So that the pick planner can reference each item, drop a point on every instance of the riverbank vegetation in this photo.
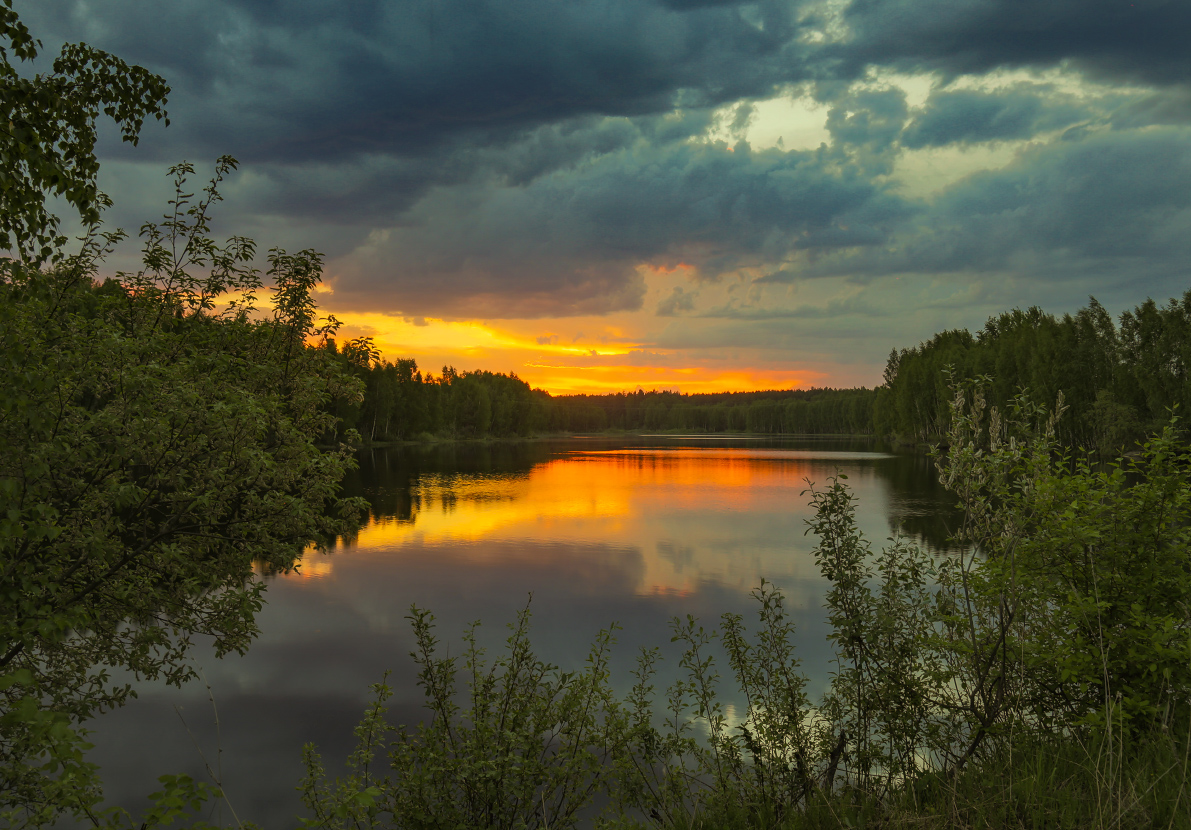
(1120, 378)
(163, 434)
(158, 435)
(401, 403)
(1038, 678)
(156, 448)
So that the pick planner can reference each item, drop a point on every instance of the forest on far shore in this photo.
(1122, 378)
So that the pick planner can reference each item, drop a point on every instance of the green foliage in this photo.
(158, 434)
(1088, 567)
(48, 133)
(1107, 781)
(876, 713)
(1036, 676)
(400, 403)
(1120, 379)
(158, 441)
(760, 769)
(529, 748)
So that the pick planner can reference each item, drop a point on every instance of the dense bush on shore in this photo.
(138, 493)
(158, 433)
(1037, 678)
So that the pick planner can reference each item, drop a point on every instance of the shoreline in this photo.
(431, 440)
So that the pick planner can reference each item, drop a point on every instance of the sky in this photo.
(701, 195)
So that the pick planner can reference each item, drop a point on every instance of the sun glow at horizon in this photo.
(604, 360)
(639, 503)
(687, 380)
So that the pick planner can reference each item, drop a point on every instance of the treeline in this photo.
(402, 403)
(797, 411)
(1119, 379)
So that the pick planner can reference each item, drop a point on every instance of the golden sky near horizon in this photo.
(786, 237)
(628, 350)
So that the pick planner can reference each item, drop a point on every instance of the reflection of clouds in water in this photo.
(727, 515)
(678, 555)
(314, 565)
(596, 538)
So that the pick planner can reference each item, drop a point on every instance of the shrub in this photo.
(529, 747)
(1036, 676)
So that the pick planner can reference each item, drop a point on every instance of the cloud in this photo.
(571, 244)
(1137, 42)
(971, 116)
(525, 158)
(677, 301)
(1113, 206)
(300, 81)
(869, 118)
(846, 306)
(1165, 106)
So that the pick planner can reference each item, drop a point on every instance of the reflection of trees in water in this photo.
(393, 479)
(919, 506)
(398, 482)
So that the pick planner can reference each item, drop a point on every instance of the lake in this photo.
(630, 531)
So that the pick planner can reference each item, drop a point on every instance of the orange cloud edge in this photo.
(607, 359)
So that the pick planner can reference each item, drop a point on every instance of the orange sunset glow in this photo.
(620, 351)
(647, 413)
(676, 509)
(598, 358)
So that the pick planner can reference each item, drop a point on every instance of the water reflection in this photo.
(599, 531)
(407, 485)
(919, 507)
(679, 508)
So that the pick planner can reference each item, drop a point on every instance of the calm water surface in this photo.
(599, 531)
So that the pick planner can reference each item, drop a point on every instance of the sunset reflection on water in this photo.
(694, 515)
(600, 531)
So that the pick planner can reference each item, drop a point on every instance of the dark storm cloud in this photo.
(678, 301)
(1113, 203)
(1112, 198)
(299, 80)
(849, 307)
(868, 118)
(970, 116)
(1166, 106)
(525, 157)
(570, 244)
(281, 82)
(384, 185)
(1141, 41)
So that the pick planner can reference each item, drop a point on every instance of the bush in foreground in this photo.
(136, 494)
(1038, 677)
